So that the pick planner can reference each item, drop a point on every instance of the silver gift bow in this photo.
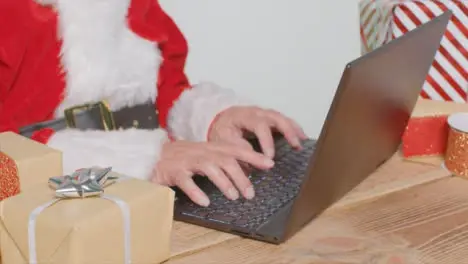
(81, 184)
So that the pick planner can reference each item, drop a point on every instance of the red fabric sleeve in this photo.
(12, 49)
(14, 37)
(43, 135)
(172, 81)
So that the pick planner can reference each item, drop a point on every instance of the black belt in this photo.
(97, 116)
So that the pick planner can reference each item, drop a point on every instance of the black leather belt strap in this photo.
(98, 117)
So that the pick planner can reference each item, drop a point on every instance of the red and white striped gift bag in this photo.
(384, 20)
(375, 18)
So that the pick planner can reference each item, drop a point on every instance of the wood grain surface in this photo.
(426, 224)
(352, 225)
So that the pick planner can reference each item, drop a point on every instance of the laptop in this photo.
(363, 129)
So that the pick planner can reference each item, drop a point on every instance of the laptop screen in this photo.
(367, 118)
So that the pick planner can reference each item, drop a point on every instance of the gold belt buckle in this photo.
(106, 114)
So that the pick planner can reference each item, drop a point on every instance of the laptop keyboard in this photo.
(273, 189)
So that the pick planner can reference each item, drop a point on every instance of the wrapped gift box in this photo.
(427, 130)
(25, 163)
(130, 222)
(384, 20)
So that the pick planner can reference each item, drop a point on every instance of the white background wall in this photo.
(284, 54)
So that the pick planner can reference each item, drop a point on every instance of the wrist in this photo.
(212, 126)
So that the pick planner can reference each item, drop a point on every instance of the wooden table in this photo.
(405, 212)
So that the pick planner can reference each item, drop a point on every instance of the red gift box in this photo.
(427, 130)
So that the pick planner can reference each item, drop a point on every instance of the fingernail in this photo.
(269, 163)
(249, 193)
(297, 142)
(204, 201)
(270, 153)
(233, 194)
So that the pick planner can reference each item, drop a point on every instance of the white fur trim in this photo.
(103, 59)
(192, 114)
(132, 152)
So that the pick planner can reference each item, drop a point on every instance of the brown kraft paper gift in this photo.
(25, 163)
(89, 230)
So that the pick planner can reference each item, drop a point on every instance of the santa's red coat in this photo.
(59, 53)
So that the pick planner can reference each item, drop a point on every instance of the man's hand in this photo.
(231, 124)
(180, 160)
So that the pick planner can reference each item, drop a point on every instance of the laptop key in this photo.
(248, 204)
(275, 200)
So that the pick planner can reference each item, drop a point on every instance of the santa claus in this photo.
(103, 81)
